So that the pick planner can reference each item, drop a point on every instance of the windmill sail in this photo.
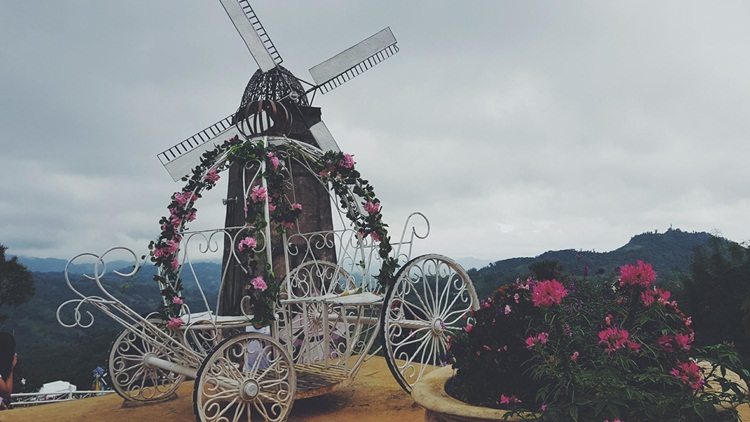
(323, 137)
(183, 157)
(354, 61)
(252, 32)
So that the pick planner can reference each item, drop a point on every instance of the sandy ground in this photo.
(374, 396)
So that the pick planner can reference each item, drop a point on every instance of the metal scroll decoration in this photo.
(335, 169)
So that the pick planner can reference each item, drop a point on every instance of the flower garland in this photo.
(334, 168)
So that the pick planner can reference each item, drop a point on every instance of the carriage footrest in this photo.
(317, 379)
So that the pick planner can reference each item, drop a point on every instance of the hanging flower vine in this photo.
(333, 168)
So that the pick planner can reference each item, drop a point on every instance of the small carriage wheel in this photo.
(132, 378)
(428, 301)
(248, 375)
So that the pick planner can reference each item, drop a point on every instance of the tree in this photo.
(16, 282)
(718, 294)
(549, 269)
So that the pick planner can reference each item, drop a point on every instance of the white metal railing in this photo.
(34, 399)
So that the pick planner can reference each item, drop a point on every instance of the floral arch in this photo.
(266, 208)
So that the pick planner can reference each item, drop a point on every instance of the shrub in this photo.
(592, 350)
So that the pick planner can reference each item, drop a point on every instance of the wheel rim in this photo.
(248, 375)
(427, 303)
(132, 378)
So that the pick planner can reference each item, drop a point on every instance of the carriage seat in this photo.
(207, 317)
(344, 299)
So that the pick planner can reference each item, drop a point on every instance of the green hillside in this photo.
(669, 253)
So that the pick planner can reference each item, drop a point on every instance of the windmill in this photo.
(274, 82)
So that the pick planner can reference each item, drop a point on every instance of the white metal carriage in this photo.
(330, 316)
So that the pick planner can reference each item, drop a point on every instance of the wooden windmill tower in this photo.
(274, 82)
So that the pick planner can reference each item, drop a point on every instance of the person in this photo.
(8, 360)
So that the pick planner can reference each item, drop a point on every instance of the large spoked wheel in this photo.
(425, 305)
(132, 377)
(250, 375)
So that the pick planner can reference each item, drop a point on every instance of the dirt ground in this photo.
(373, 397)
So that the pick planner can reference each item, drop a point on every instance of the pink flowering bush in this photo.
(591, 350)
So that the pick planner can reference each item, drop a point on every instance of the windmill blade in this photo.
(181, 159)
(252, 32)
(323, 137)
(354, 61)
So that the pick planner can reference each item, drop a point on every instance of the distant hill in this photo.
(669, 253)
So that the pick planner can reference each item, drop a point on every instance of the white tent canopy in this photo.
(57, 387)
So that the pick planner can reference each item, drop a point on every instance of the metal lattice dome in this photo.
(274, 85)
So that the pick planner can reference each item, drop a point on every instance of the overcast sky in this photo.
(516, 127)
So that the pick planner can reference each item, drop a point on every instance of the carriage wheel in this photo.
(132, 378)
(428, 301)
(245, 376)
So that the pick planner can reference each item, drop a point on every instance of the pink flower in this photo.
(533, 341)
(614, 338)
(375, 237)
(177, 300)
(347, 161)
(508, 400)
(247, 243)
(166, 250)
(174, 264)
(190, 216)
(468, 328)
(547, 293)
(175, 322)
(172, 246)
(296, 206)
(183, 198)
(271, 207)
(212, 175)
(287, 224)
(274, 160)
(371, 207)
(574, 357)
(175, 221)
(641, 274)
(665, 342)
(507, 309)
(258, 193)
(647, 297)
(683, 340)
(258, 283)
(690, 374)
